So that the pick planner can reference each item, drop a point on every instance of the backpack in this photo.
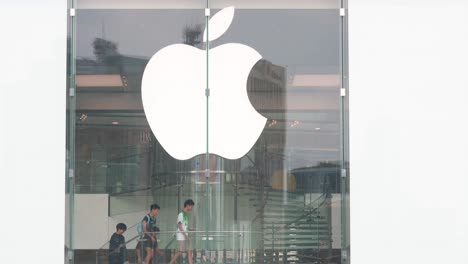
(140, 225)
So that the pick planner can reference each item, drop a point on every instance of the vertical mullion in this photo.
(207, 154)
(72, 116)
(343, 145)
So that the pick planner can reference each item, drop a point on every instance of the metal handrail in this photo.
(189, 232)
(194, 233)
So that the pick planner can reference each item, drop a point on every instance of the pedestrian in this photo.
(149, 237)
(117, 247)
(183, 241)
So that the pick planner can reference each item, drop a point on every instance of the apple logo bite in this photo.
(174, 100)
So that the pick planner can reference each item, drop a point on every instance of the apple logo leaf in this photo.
(219, 23)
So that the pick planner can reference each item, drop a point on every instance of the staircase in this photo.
(294, 232)
(285, 228)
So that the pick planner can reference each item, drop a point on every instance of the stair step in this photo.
(307, 226)
(313, 230)
(295, 237)
(278, 199)
(284, 216)
(280, 206)
(295, 244)
(289, 230)
(298, 197)
(299, 240)
(258, 188)
(320, 227)
(273, 203)
(286, 219)
(279, 211)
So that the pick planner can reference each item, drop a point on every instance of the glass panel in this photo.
(278, 198)
(116, 151)
(345, 189)
(287, 188)
(70, 142)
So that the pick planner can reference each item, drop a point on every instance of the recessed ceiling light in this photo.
(202, 182)
(83, 117)
(317, 128)
(115, 122)
(295, 123)
(272, 123)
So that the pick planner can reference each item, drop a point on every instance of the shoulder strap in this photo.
(147, 222)
(184, 216)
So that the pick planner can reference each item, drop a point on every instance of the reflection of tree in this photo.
(105, 50)
(192, 35)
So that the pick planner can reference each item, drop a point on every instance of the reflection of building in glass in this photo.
(284, 211)
(113, 139)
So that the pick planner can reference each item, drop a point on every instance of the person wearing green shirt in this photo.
(184, 244)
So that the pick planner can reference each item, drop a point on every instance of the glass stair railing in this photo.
(285, 226)
(166, 241)
(297, 233)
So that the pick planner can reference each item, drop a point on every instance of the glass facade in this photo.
(284, 201)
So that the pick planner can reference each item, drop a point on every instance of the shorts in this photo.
(147, 243)
(184, 245)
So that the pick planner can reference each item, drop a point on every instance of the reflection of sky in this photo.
(294, 38)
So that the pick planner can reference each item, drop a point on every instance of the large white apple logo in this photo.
(174, 100)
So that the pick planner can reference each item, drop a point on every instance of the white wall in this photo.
(336, 220)
(94, 227)
(408, 92)
(408, 132)
(32, 130)
(91, 221)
